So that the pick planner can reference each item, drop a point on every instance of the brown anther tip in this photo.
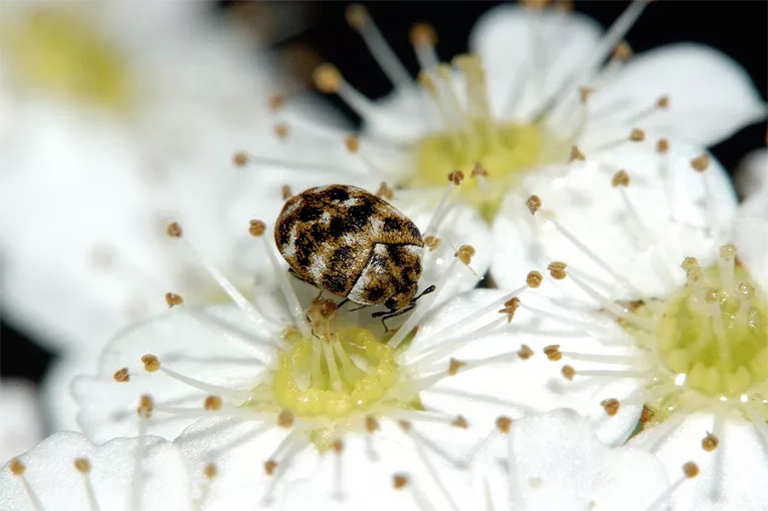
(557, 270)
(357, 16)
(352, 143)
(536, 5)
(636, 135)
(385, 192)
(281, 130)
(256, 228)
(584, 93)
(460, 422)
(399, 481)
(525, 352)
(479, 171)
(662, 102)
(327, 78)
(533, 203)
(456, 177)
(465, 254)
(553, 352)
(503, 424)
(337, 446)
(621, 178)
(454, 366)
(426, 81)
(611, 406)
(564, 5)
(146, 406)
(210, 471)
(622, 51)
(534, 279)
(371, 424)
(83, 465)
(240, 159)
(286, 192)
(510, 307)
(690, 470)
(576, 154)
(423, 34)
(662, 146)
(276, 102)
(173, 299)
(285, 419)
(568, 372)
(269, 467)
(122, 375)
(212, 403)
(710, 442)
(700, 163)
(431, 242)
(404, 425)
(647, 414)
(174, 230)
(17, 467)
(151, 363)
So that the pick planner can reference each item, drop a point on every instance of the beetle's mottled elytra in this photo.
(352, 244)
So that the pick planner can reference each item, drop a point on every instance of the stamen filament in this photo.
(205, 387)
(381, 51)
(610, 306)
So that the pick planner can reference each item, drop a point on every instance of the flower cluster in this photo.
(590, 329)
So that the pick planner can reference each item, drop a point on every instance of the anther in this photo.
(146, 406)
(534, 279)
(17, 467)
(432, 242)
(337, 446)
(173, 299)
(479, 171)
(557, 270)
(510, 306)
(83, 465)
(352, 143)
(357, 16)
(174, 230)
(276, 102)
(636, 135)
(525, 352)
(568, 372)
(211, 471)
(257, 228)
(269, 467)
(662, 146)
(286, 192)
(533, 203)
(404, 425)
(553, 352)
(689, 263)
(690, 470)
(122, 375)
(584, 93)
(399, 481)
(423, 34)
(710, 442)
(503, 424)
(700, 163)
(576, 154)
(371, 424)
(385, 192)
(460, 422)
(151, 363)
(746, 290)
(647, 414)
(285, 419)
(327, 78)
(456, 177)
(728, 251)
(662, 102)
(212, 403)
(465, 253)
(536, 5)
(281, 130)
(240, 158)
(622, 51)
(711, 296)
(611, 406)
(454, 366)
(621, 178)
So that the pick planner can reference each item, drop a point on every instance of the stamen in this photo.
(433, 473)
(700, 164)
(122, 375)
(454, 180)
(242, 158)
(690, 470)
(152, 364)
(328, 80)
(423, 39)
(277, 465)
(18, 469)
(210, 471)
(611, 406)
(84, 467)
(358, 18)
(338, 491)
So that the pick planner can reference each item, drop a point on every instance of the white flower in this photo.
(534, 91)
(114, 120)
(660, 324)
(67, 472)
(22, 426)
(752, 173)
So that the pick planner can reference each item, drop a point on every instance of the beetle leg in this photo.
(385, 315)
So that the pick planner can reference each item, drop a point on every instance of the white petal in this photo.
(711, 96)
(751, 236)
(752, 173)
(727, 474)
(60, 406)
(541, 48)
(52, 476)
(22, 426)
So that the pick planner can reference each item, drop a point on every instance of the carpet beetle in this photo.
(353, 244)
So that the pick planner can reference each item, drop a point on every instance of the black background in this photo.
(737, 28)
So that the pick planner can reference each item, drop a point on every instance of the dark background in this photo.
(737, 28)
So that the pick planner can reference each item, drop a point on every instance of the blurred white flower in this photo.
(752, 174)
(22, 424)
(662, 297)
(535, 90)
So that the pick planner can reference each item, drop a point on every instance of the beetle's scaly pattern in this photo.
(351, 243)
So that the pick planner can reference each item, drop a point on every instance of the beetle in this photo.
(353, 244)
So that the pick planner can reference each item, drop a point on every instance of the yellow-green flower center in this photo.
(61, 54)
